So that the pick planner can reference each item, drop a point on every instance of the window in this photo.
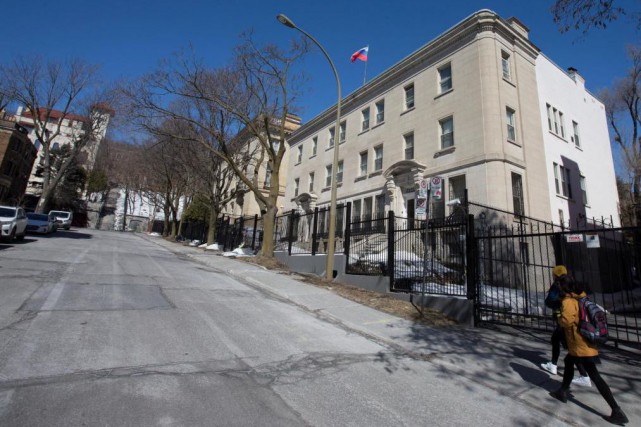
(363, 163)
(584, 191)
(276, 145)
(342, 133)
(300, 154)
(332, 132)
(55, 146)
(311, 182)
(562, 181)
(296, 186)
(409, 146)
(328, 176)
(505, 64)
(445, 78)
(447, 132)
(561, 218)
(456, 185)
(367, 208)
(509, 116)
(518, 203)
(268, 175)
(575, 129)
(365, 121)
(379, 205)
(409, 96)
(339, 173)
(378, 158)
(380, 111)
(314, 145)
(356, 210)
(555, 121)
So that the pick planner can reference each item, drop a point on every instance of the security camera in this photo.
(454, 202)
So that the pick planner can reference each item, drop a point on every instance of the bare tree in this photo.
(55, 94)
(586, 14)
(623, 111)
(247, 104)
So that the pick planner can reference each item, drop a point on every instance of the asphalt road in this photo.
(109, 329)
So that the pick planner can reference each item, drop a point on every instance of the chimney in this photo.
(574, 75)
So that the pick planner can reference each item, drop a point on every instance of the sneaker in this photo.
(550, 367)
(582, 381)
(560, 394)
(617, 417)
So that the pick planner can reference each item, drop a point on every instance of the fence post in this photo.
(390, 248)
(254, 233)
(472, 262)
(348, 233)
(290, 231)
(314, 227)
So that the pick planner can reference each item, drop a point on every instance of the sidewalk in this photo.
(502, 359)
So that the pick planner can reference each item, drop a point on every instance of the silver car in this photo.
(13, 223)
(40, 223)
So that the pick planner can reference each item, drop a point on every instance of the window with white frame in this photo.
(378, 158)
(445, 78)
(343, 131)
(363, 163)
(505, 65)
(518, 204)
(268, 175)
(562, 181)
(584, 190)
(365, 119)
(314, 146)
(575, 129)
(380, 111)
(296, 186)
(555, 121)
(409, 145)
(311, 182)
(299, 158)
(511, 123)
(332, 132)
(447, 132)
(339, 172)
(409, 96)
(561, 217)
(328, 176)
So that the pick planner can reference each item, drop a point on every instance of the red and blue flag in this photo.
(361, 54)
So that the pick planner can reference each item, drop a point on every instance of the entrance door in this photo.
(408, 200)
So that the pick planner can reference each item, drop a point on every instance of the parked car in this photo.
(40, 223)
(63, 218)
(13, 223)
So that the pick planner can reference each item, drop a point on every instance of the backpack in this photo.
(553, 298)
(592, 322)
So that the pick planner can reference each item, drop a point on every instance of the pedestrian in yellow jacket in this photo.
(580, 350)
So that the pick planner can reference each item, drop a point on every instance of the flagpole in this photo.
(365, 73)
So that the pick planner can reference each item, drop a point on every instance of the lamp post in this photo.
(331, 242)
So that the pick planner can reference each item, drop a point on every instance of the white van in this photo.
(63, 218)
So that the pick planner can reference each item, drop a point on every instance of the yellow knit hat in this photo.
(559, 271)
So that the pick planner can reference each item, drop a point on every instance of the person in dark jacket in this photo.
(579, 349)
(553, 301)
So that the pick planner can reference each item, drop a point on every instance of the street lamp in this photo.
(331, 243)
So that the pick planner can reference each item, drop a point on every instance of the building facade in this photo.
(72, 128)
(17, 155)
(468, 107)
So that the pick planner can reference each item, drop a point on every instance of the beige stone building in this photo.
(464, 107)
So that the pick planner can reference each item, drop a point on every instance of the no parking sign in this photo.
(436, 184)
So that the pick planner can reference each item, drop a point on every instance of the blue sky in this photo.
(129, 37)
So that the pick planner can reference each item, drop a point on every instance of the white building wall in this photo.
(593, 159)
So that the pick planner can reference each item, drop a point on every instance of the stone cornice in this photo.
(460, 35)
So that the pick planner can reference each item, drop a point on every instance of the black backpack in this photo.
(553, 298)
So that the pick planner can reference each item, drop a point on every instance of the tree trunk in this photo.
(211, 232)
(268, 232)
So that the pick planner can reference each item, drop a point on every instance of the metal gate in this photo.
(514, 271)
